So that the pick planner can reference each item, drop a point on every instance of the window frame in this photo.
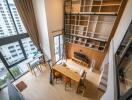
(10, 39)
(60, 56)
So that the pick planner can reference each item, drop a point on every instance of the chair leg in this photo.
(67, 83)
(34, 72)
(83, 90)
(70, 83)
(56, 80)
(65, 86)
(40, 67)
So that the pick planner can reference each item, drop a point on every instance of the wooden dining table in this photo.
(69, 73)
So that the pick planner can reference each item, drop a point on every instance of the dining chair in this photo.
(82, 85)
(67, 82)
(40, 63)
(34, 66)
(56, 76)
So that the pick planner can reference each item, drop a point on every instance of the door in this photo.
(58, 44)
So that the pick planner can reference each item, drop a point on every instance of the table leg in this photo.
(77, 90)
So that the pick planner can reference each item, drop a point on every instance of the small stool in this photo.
(57, 75)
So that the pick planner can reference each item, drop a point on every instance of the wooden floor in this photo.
(40, 89)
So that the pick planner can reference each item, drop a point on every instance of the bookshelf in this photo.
(89, 22)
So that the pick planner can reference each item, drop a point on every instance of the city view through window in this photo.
(15, 44)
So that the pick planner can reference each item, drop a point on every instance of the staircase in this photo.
(104, 78)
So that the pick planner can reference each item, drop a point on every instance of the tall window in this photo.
(7, 27)
(15, 44)
(58, 44)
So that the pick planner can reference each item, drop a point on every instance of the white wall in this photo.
(106, 61)
(126, 18)
(39, 8)
(54, 13)
(123, 25)
(110, 93)
(49, 16)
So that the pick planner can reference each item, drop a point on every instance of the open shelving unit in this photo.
(89, 22)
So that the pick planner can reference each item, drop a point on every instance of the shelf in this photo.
(103, 29)
(100, 22)
(99, 39)
(106, 13)
(91, 27)
(101, 5)
(89, 22)
(105, 3)
(76, 35)
(111, 3)
(96, 2)
(106, 18)
(88, 37)
(109, 9)
(94, 13)
(95, 9)
(82, 23)
(86, 47)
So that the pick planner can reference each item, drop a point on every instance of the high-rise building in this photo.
(29, 47)
(7, 27)
(12, 52)
(20, 27)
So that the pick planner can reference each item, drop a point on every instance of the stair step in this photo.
(105, 72)
(104, 84)
(102, 87)
(105, 78)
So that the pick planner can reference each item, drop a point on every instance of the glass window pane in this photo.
(124, 62)
(19, 69)
(4, 75)
(7, 27)
(56, 44)
(61, 45)
(16, 71)
(29, 47)
(12, 53)
(19, 24)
